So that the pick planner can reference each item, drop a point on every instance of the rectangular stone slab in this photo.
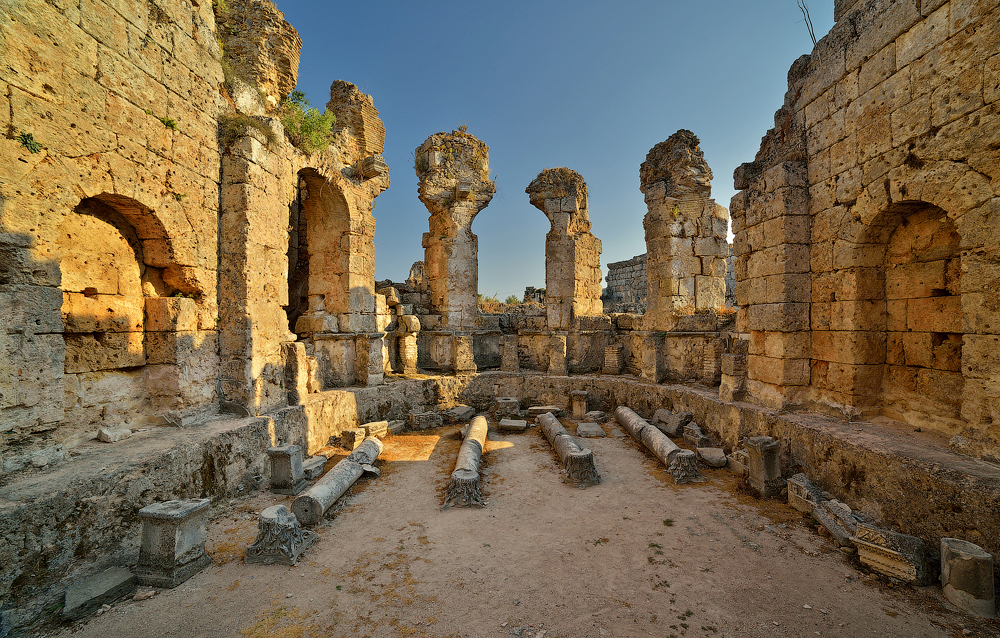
(86, 596)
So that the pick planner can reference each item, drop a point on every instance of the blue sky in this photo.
(588, 85)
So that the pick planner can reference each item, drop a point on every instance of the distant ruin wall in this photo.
(626, 289)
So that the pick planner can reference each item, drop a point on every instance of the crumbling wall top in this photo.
(452, 168)
(357, 118)
(561, 190)
(680, 163)
(260, 46)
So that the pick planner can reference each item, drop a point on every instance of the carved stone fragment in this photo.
(287, 476)
(802, 494)
(893, 554)
(579, 464)
(507, 407)
(465, 489)
(280, 538)
(684, 468)
(765, 467)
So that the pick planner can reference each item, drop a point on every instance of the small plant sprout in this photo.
(27, 140)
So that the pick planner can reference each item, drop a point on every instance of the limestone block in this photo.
(409, 323)
(459, 414)
(595, 416)
(694, 436)
(557, 355)
(507, 407)
(538, 410)
(104, 351)
(464, 355)
(173, 542)
(101, 313)
(739, 461)
(287, 476)
(579, 402)
(351, 438)
(967, 577)
(312, 323)
(673, 424)
(31, 309)
(425, 420)
(313, 466)
(88, 594)
(378, 429)
(590, 431)
(764, 466)
(170, 314)
(113, 435)
(893, 554)
(513, 425)
(713, 456)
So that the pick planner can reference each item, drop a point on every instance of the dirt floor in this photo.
(633, 556)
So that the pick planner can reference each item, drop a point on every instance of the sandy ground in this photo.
(633, 556)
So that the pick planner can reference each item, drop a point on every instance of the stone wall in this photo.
(107, 251)
(865, 227)
(626, 289)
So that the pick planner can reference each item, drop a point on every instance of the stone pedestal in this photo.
(508, 407)
(408, 353)
(614, 360)
(173, 542)
(508, 358)
(765, 467)
(967, 577)
(579, 398)
(287, 475)
(280, 539)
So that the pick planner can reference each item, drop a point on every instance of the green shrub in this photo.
(512, 299)
(306, 128)
(232, 126)
(27, 140)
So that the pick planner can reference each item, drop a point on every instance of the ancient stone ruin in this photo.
(188, 307)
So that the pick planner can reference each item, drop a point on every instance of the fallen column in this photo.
(312, 505)
(464, 489)
(685, 470)
(579, 464)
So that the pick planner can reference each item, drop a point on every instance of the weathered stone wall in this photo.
(123, 107)
(685, 233)
(572, 253)
(865, 227)
(626, 289)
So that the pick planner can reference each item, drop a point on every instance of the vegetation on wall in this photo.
(306, 128)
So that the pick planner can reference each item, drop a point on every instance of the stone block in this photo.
(673, 423)
(614, 360)
(351, 438)
(538, 410)
(409, 323)
(425, 420)
(87, 595)
(378, 429)
(507, 407)
(280, 538)
(113, 435)
(313, 323)
(694, 437)
(579, 401)
(287, 476)
(967, 577)
(459, 414)
(713, 456)
(595, 416)
(513, 425)
(170, 314)
(660, 416)
(590, 431)
(802, 494)
(173, 542)
(313, 466)
(465, 362)
(764, 466)
(893, 554)
(739, 462)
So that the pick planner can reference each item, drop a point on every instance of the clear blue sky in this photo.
(584, 84)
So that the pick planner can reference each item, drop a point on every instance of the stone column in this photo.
(572, 253)
(967, 577)
(453, 169)
(765, 466)
(685, 233)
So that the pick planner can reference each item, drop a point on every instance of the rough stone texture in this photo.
(572, 253)
(425, 420)
(684, 468)
(713, 456)
(464, 489)
(765, 466)
(673, 423)
(87, 595)
(802, 494)
(453, 169)
(694, 437)
(686, 230)
(512, 425)
(967, 577)
(863, 228)
(287, 475)
(590, 431)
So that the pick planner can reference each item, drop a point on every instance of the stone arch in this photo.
(908, 321)
(319, 255)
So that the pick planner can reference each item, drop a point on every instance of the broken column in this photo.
(572, 254)
(684, 470)
(967, 577)
(579, 464)
(465, 490)
(280, 539)
(453, 169)
(686, 231)
(173, 542)
(765, 467)
(310, 507)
